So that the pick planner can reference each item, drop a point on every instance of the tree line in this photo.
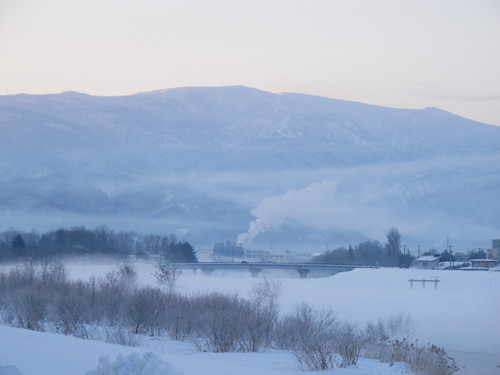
(390, 254)
(82, 241)
(371, 253)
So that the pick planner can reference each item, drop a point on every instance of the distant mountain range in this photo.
(273, 170)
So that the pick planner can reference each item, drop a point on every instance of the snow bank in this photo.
(10, 370)
(133, 364)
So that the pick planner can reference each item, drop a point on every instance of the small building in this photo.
(453, 265)
(155, 258)
(494, 252)
(483, 263)
(428, 262)
(495, 244)
(278, 256)
(142, 255)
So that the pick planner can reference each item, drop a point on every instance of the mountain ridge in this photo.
(181, 120)
(236, 142)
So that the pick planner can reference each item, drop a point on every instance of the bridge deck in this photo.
(302, 268)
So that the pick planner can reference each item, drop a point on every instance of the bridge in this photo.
(256, 267)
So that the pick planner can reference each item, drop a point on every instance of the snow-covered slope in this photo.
(231, 148)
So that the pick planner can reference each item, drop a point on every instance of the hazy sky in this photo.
(399, 53)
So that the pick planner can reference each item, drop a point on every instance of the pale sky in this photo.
(397, 53)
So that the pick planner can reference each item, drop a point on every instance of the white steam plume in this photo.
(318, 205)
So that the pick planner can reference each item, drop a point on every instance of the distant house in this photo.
(452, 265)
(142, 255)
(267, 255)
(494, 252)
(483, 263)
(428, 262)
(154, 258)
(495, 244)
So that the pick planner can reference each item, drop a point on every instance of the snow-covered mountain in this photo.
(202, 161)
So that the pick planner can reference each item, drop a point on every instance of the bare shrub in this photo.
(377, 331)
(350, 341)
(71, 313)
(133, 364)
(120, 336)
(311, 335)
(390, 341)
(423, 360)
(28, 309)
(217, 322)
(178, 316)
(399, 326)
(141, 310)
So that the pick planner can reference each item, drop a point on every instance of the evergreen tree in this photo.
(18, 242)
(181, 252)
(18, 245)
(350, 251)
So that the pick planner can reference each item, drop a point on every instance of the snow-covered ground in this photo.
(35, 353)
(461, 315)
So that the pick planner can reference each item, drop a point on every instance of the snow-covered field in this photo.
(461, 315)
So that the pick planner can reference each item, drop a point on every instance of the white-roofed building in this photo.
(428, 262)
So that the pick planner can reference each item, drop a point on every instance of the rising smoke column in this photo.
(321, 205)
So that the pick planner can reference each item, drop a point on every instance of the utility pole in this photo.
(451, 257)
(418, 251)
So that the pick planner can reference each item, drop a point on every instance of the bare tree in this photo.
(112, 296)
(167, 275)
(127, 274)
(30, 269)
(262, 322)
(93, 303)
(54, 278)
(393, 245)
